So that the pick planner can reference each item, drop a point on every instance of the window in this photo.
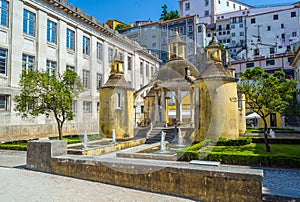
(181, 30)
(129, 63)
(119, 100)
(86, 78)
(74, 106)
(4, 100)
(70, 67)
(206, 13)
(227, 3)
(233, 34)
(294, 34)
(99, 81)
(233, 5)
(187, 6)
(240, 19)
(199, 28)
(252, 20)
(70, 39)
(190, 28)
(219, 27)
(293, 14)
(241, 33)
(98, 106)
(250, 65)
(51, 31)
(283, 36)
(234, 20)
(241, 25)
(256, 51)
(3, 12)
(29, 23)
(282, 26)
(141, 68)
(219, 1)
(3, 61)
(220, 33)
(27, 62)
(270, 62)
(206, 2)
(51, 67)
(99, 51)
(85, 45)
(232, 26)
(272, 50)
(87, 106)
(110, 54)
(275, 17)
(269, 28)
(142, 108)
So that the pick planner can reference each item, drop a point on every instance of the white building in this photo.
(53, 35)
(207, 10)
(271, 33)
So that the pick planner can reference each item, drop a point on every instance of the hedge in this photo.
(277, 140)
(255, 160)
(238, 142)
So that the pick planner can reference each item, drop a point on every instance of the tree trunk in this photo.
(59, 126)
(266, 135)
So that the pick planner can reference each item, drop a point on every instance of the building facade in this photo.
(52, 35)
(207, 10)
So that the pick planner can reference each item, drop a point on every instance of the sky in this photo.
(134, 10)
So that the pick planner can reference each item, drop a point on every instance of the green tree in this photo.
(122, 26)
(43, 93)
(266, 94)
(168, 15)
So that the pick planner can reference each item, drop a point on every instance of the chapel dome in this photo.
(177, 69)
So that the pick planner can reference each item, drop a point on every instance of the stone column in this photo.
(163, 106)
(191, 108)
(178, 107)
(156, 113)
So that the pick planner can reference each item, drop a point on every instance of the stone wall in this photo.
(29, 132)
(197, 182)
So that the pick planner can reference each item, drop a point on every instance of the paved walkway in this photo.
(26, 185)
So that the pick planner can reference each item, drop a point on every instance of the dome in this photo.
(176, 69)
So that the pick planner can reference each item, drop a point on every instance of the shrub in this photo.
(277, 140)
(255, 160)
(238, 142)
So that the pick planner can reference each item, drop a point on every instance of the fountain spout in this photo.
(114, 136)
(163, 141)
(85, 140)
(180, 138)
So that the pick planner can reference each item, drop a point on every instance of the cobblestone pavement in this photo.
(283, 182)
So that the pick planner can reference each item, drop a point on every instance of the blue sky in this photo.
(132, 10)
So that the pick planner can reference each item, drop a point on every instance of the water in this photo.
(85, 140)
(114, 136)
(180, 138)
(163, 141)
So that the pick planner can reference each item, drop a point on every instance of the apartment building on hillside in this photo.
(52, 35)
(207, 10)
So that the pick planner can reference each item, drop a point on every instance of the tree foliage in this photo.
(43, 93)
(122, 26)
(168, 15)
(266, 94)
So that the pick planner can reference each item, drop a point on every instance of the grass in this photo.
(260, 150)
(22, 144)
